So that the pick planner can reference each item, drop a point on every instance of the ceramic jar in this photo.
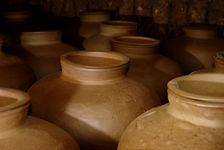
(108, 30)
(92, 98)
(147, 65)
(14, 73)
(22, 132)
(218, 66)
(195, 49)
(42, 50)
(192, 120)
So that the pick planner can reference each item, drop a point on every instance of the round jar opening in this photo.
(136, 41)
(120, 23)
(11, 99)
(205, 87)
(41, 37)
(200, 31)
(95, 16)
(95, 60)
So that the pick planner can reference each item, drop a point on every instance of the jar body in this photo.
(95, 115)
(157, 129)
(193, 54)
(36, 134)
(154, 71)
(44, 59)
(15, 73)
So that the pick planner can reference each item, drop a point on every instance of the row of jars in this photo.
(94, 97)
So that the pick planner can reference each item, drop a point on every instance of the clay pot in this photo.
(42, 50)
(14, 73)
(108, 30)
(147, 65)
(195, 49)
(92, 98)
(218, 65)
(192, 120)
(22, 132)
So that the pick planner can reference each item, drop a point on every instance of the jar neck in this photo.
(200, 33)
(41, 38)
(197, 112)
(94, 17)
(88, 67)
(116, 28)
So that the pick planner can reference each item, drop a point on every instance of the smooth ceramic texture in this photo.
(42, 51)
(90, 23)
(218, 66)
(108, 30)
(21, 132)
(192, 120)
(195, 49)
(14, 73)
(92, 98)
(147, 65)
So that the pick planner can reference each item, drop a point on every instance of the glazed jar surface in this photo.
(218, 66)
(195, 49)
(147, 65)
(92, 98)
(14, 73)
(22, 132)
(108, 30)
(42, 50)
(192, 120)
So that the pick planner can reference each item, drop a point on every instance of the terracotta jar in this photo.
(14, 73)
(92, 98)
(42, 50)
(147, 65)
(192, 120)
(22, 132)
(218, 66)
(108, 30)
(195, 49)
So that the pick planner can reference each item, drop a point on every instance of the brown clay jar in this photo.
(14, 73)
(42, 50)
(193, 119)
(108, 30)
(195, 49)
(92, 98)
(147, 65)
(21, 132)
(218, 66)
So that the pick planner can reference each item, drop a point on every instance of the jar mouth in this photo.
(219, 57)
(120, 24)
(94, 16)
(136, 41)
(95, 60)
(206, 87)
(11, 99)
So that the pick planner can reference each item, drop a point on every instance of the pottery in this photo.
(192, 120)
(14, 73)
(22, 132)
(92, 98)
(147, 65)
(42, 50)
(108, 30)
(218, 66)
(195, 49)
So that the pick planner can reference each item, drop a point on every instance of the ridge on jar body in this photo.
(22, 132)
(147, 65)
(195, 49)
(218, 66)
(92, 98)
(108, 30)
(14, 73)
(192, 120)
(42, 50)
